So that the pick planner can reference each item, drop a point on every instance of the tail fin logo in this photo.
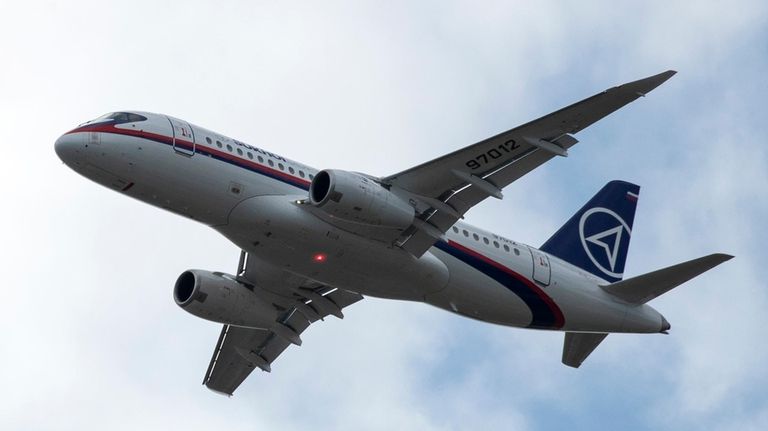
(602, 231)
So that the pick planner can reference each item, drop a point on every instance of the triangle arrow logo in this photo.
(610, 245)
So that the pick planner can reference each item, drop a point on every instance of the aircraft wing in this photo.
(241, 350)
(449, 186)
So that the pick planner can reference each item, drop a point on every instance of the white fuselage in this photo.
(256, 199)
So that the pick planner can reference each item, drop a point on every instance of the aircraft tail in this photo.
(596, 238)
(638, 290)
(577, 346)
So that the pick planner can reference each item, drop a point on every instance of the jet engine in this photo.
(357, 199)
(221, 298)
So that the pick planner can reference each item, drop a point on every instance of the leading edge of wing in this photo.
(632, 90)
(626, 93)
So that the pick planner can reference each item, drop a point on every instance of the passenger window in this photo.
(466, 234)
(455, 229)
(506, 248)
(477, 238)
(229, 148)
(485, 240)
(517, 252)
(271, 163)
(261, 159)
(290, 169)
(208, 140)
(280, 165)
(250, 155)
(218, 144)
(496, 244)
(239, 152)
(311, 177)
(301, 174)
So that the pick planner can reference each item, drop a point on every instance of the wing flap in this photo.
(239, 351)
(577, 346)
(417, 242)
(229, 367)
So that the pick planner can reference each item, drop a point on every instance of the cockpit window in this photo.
(123, 117)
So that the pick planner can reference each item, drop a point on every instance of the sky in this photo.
(90, 337)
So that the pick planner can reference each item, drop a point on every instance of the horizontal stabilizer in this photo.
(578, 345)
(643, 288)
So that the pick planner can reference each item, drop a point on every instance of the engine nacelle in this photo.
(354, 198)
(220, 298)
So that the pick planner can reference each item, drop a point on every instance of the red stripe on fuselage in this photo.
(110, 128)
(167, 140)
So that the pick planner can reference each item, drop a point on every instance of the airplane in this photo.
(316, 241)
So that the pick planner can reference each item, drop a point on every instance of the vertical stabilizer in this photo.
(577, 346)
(596, 238)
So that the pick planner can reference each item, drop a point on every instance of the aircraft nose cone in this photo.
(69, 148)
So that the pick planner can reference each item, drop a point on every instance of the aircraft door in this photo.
(542, 272)
(183, 137)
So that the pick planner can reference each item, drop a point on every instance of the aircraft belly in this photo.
(587, 308)
(281, 232)
(581, 304)
(472, 294)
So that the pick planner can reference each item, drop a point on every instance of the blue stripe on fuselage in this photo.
(546, 315)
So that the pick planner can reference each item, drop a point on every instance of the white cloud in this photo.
(92, 338)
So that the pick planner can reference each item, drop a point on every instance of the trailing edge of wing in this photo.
(239, 351)
(433, 178)
(643, 288)
(459, 180)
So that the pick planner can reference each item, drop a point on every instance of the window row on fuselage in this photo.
(272, 160)
(484, 239)
(246, 151)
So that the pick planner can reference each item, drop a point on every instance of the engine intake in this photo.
(221, 298)
(184, 288)
(357, 199)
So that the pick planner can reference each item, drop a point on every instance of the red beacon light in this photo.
(319, 257)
